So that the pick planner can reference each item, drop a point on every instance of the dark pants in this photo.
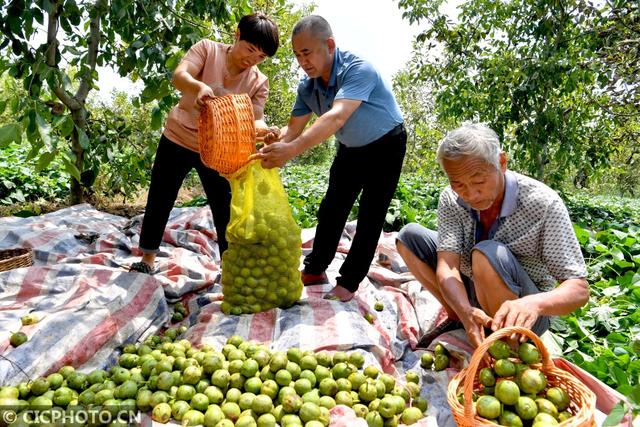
(172, 164)
(372, 170)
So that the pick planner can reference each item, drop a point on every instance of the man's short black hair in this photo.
(260, 30)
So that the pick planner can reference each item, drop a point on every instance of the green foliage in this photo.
(120, 160)
(423, 132)
(141, 40)
(415, 200)
(305, 186)
(20, 182)
(603, 337)
(282, 69)
(532, 70)
(602, 212)
(618, 30)
(622, 177)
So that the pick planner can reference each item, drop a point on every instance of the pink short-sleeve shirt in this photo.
(210, 57)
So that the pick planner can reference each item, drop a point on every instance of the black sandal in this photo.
(141, 267)
(445, 326)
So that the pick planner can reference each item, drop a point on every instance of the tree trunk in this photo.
(79, 118)
(76, 102)
(541, 160)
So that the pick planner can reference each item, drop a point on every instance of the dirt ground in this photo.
(115, 206)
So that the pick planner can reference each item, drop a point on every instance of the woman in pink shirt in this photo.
(208, 69)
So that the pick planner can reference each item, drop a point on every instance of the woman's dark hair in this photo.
(260, 30)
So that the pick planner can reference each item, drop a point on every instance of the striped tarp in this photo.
(90, 305)
(85, 313)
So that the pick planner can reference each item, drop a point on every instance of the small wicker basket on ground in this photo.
(226, 133)
(583, 401)
(15, 258)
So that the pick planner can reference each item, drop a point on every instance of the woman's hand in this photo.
(203, 95)
(268, 135)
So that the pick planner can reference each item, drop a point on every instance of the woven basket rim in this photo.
(465, 415)
(16, 250)
(15, 258)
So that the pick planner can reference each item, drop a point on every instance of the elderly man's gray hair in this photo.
(317, 25)
(471, 139)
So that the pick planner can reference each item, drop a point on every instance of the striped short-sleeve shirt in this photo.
(534, 224)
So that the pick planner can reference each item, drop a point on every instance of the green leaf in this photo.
(601, 248)
(581, 234)
(156, 118)
(615, 416)
(35, 149)
(71, 168)
(617, 338)
(620, 375)
(617, 254)
(621, 235)
(624, 263)
(172, 62)
(10, 133)
(44, 160)
(66, 127)
(83, 139)
(44, 130)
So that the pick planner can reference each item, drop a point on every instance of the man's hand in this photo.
(275, 155)
(474, 322)
(517, 312)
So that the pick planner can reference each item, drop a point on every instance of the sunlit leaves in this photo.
(529, 69)
(10, 133)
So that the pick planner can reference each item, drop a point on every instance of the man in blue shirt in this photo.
(353, 103)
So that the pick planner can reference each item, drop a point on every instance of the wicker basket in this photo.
(583, 401)
(226, 133)
(15, 258)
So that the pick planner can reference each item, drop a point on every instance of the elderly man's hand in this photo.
(275, 155)
(517, 312)
(474, 324)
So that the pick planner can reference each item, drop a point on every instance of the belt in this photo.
(396, 130)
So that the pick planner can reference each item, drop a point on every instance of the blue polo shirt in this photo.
(356, 79)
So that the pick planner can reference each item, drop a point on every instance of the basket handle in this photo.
(479, 353)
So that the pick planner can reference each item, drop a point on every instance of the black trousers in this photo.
(372, 172)
(170, 167)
